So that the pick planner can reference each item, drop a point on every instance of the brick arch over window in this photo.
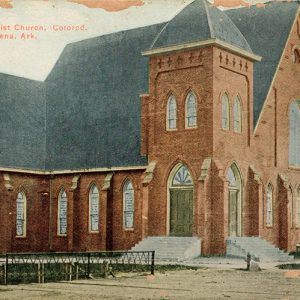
(191, 110)
(225, 112)
(171, 113)
(21, 215)
(93, 208)
(294, 133)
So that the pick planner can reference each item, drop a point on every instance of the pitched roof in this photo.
(200, 21)
(93, 103)
(266, 30)
(22, 115)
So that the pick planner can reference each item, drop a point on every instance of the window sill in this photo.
(128, 229)
(269, 226)
(21, 237)
(94, 232)
(62, 235)
(294, 168)
(170, 130)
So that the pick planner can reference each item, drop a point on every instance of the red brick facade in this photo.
(260, 154)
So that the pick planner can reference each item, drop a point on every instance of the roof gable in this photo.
(266, 30)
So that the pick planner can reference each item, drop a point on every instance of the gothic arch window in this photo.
(298, 205)
(269, 220)
(235, 201)
(21, 215)
(191, 110)
(225, 112)
(182, 177)
(237, 115)
(128, 205)
(94, 209)
(172, 113)
(296, 56)
(62, 220)
(294, 133)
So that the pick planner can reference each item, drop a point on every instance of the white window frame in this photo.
(269, 206)
(188, 112)
(91, 211)
(21, 199)
(169, 119)
(59, 213)
(237, 115)
(225, 114)
(128, 190)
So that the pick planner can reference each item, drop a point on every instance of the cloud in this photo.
(6, 3)
(112, 5)
(230, 3)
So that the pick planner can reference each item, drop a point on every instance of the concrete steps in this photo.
(258, 248)
(170, 248)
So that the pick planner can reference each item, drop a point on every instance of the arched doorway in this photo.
(235, 201)
(181, 190)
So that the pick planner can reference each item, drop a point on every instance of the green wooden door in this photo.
(181, 212)
(233, 213)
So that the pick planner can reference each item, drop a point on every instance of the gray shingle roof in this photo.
(266, 30)
(200, 21)
(93, 103)
(22, 117)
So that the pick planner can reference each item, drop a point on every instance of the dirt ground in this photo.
(210, 283)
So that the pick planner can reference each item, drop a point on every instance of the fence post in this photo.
(152, 262)
(88, 266)
(6, 268)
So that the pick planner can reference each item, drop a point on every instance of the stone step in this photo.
(257, 247)
(172, 248)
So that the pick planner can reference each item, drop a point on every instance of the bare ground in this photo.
(209, 283)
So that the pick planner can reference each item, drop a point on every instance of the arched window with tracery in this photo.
(298, 206)
(237, 115)
(294, 134)
(225, 112)
(128, 205)
(269, 220)
(172, 113)
(191, 110)
(21, 215)
(94, 209)
(62, 221)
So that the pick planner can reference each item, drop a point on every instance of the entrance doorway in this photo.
(234, 201)
(181, 202)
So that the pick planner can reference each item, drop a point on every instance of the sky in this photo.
(32, 54)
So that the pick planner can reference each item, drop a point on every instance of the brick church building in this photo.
(184, 128)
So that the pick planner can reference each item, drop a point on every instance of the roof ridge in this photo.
(210, 25)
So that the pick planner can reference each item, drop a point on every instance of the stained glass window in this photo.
(269, 205)
(298, 204)
(231, 178)
(225, 112)
(191, 110)
(94, 208)
(237, 115)
(21, 215)
(182, 177)
(128, 205)
(172, 113)
(294, 134)
(62, 213)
